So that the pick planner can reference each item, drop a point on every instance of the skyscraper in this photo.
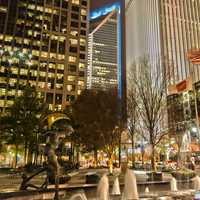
(103, 52)
(165, 30)
(54, 33)
(111, 53)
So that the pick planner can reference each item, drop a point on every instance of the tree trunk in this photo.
(16, 152)
(179, 163)
(119, 151)
(77, 154)
(153, 164)
(133, 151)
(95, 158)
(30, 154)
(25, 151)
(110, 163)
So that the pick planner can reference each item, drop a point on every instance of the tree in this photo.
(23, 120)
(132, 112)
(150, 97)
(97, 121)
(11, 132)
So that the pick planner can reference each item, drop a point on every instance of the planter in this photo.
(183, 174)
(180, 176)
(92, 179)
(62, 179)
(155, 176)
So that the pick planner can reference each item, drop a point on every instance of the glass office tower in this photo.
(165, 30)
(54, 34)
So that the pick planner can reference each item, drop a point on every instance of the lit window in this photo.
(83, 12)
(81, 83)
(82, 42)
(43, 74)
(60, 76)
(10, 103)
(14, 70)
(43, 54)
(60, 66)
(2, 91)
(51, 75)
(72, 59)
(48, 85)
(2, 80)
(2, 69)
(75, 2)
(59, 86)
(79, 92)
(35, 53)
(53, 55)
(73, 41)
(12, 81)
(71, 78)
(8, 38)
(32, 83)
(74, 33)
(61, 57)
(23, 71)
(1, 103)
(50, 106)
(81, 66)
(52, 66)
(41, 84)
(33, 73)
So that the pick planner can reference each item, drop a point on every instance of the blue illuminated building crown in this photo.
(104, 10)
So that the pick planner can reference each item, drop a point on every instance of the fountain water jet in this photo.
(196, 181)
(146, 190)
(130, 186)
(116, 187)
(79, 196)
(103, 189)
(173, 184)
(186, 141)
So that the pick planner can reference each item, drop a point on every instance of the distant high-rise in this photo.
(103, 52)
(164, 30)
(54, 33)
(106, 57)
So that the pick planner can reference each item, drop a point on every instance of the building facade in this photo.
(43, 44)
(113, 11)
(167, 30)
(103, 53)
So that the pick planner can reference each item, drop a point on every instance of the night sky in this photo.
(98, 3)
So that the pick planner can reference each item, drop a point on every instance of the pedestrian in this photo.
(192, 163)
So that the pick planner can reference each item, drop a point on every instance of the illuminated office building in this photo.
(106, 49)
(102, 53)
(165, 30)
(54, 33)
